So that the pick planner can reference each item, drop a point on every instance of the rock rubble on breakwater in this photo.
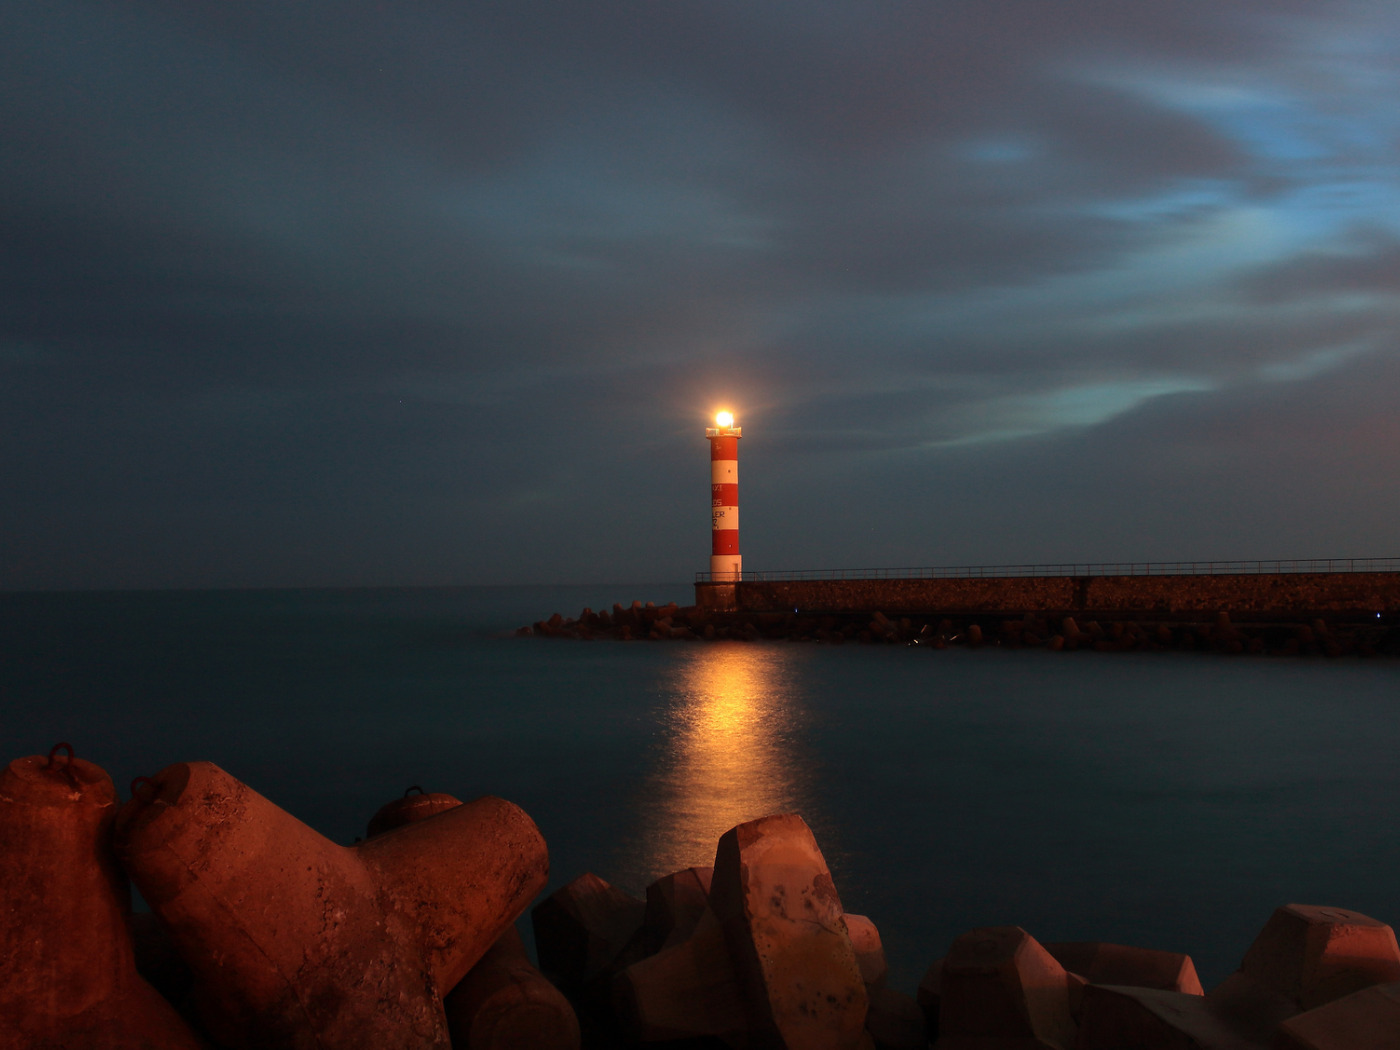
(266, 935)
(1217, 633)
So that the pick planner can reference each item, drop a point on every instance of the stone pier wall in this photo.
(1275, 596)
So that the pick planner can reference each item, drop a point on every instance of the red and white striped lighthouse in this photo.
(725, 563)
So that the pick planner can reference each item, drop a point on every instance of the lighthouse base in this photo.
(726, 568)
(717, 597)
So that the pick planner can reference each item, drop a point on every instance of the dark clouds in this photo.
(352, 293)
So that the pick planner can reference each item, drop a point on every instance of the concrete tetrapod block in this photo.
(412, 807)
(503, 1003)
(870, 953)
(686, 991)
(1129, 1018)
(895, 1021)
(297, 942)
(929, 996)
(1315, 954)
(159, 963)
(1368, 1019)
(1000, 988)
(582, 929)
(781, 916)
(1102, 963)
(1252, 1007)
(1306, 956)
(68, 973)
(675, 904)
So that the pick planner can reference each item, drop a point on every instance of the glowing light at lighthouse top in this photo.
(724, 426)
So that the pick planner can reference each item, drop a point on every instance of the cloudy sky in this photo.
(314, 293)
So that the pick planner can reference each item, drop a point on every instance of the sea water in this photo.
(1168, 800)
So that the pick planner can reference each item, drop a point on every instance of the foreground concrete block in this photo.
(1316, 954)
(159, 963)
(1252, 1007)
(415, 805)
(68, 973)
(294, 941)
(686, 991)
(870, 952)
(1077, 985)
(781, 916)
(998, 983)
(504, 1003)
(582, 929)
(1126, 1018)
(1099, 962)
(1364, 1020)
(1306, 956)
(675, 904)
(895, 1021)
(929, 996)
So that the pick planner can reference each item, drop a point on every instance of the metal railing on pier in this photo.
(1132, 568)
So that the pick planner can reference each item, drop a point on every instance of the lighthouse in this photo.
(725, 563)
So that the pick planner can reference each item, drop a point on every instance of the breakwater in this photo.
(1339, 631)
(1282, 597)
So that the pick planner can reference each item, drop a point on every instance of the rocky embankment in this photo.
(1217, 633)
(265, 935)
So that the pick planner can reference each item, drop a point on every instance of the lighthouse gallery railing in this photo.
(1133, 568)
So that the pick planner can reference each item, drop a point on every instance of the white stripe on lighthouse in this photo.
(726, 568)
(724, 471)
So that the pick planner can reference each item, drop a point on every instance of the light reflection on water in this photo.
(733, 752)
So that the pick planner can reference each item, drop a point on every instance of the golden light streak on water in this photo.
(734, 753)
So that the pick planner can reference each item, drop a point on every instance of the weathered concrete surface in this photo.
(68, 973)
(895, 1021)
(504, 1003)
(583, 928)
(792, 954)
(870, 951)
(1248, 593)
(409, 809)
(1000, 987)
(1309, 955)
(1128, 1018)
(675, 903)
(1102, 963)
(1369, 1018)
(296, 942)
(688, 990)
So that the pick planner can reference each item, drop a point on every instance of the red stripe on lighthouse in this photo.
(726, 541)
(724, 446)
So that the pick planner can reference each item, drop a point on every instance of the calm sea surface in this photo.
(1168, 800)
